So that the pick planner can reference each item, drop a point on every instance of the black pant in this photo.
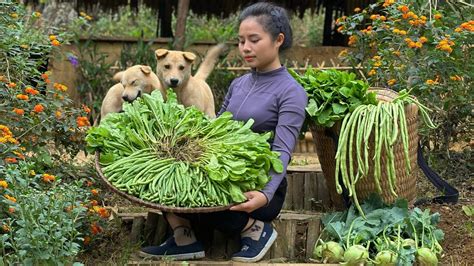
(233, 222)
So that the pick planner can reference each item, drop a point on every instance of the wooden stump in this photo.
(306, 189)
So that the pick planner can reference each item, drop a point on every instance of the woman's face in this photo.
(257, 47)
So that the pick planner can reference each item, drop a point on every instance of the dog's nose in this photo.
(126, 98)
(174, 82)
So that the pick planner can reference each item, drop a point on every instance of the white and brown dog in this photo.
(174, 71)
(134, 81)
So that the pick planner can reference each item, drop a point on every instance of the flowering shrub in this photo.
(42, 220)
(419, 46)
(47, 214)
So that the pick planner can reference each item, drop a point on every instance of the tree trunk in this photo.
(183, 7)
(165, 11)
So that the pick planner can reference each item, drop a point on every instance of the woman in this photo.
(276, 102)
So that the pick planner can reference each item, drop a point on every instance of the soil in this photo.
(458, 242)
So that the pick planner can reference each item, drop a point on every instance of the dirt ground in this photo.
(458, 243)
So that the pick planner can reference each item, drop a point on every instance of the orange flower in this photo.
(44, 76)
(95, 228)
(82, 121)
(357, 9)
(55, 43)
(402, 32)
(11, 85)
(383, 18)
(372, 72)
(48, 178)
(22, 97)
(38, 108)
(11, 210)
(418, 44)
(341, 28)
(94, 203)
(58, 114)
(87, 240)
(11, 160)
(19, 111)
(403, 8)
(388, 3)
(397, 53)
(374, 16)
(31, 91)
(3, 78)
(10, 198)
(438, 16)
(86, 109)
(52, 37)
(89, 183)
(3, 184)
(352, 40)
(423, 39)
(391, 82)
(95, 192)
(102, 211)
(60, 87)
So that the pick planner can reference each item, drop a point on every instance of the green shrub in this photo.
(423, 47)
(45, 212)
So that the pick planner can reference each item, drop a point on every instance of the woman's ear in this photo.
(280, 39)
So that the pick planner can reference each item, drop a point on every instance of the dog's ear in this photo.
(189, 56)
(160, 53)
(118, 76)
(145, 69)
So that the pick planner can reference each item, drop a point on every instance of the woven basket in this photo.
(405, 185)
(151, 204)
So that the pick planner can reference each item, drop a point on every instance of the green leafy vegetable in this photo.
(390, 234)
(332, 94)
(165, 153)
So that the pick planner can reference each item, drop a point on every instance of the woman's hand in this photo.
(255, 200)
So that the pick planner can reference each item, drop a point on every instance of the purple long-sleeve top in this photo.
(276, 102)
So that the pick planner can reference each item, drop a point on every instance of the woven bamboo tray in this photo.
(406, 184)
(151, 204)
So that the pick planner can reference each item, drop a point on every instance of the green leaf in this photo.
(338, 108)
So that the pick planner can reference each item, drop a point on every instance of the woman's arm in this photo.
(291, 116)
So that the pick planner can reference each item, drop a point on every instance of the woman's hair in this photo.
(273, 18)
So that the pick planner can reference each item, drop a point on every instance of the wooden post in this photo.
(137, 228)
(298, 188)
(312, 234)
(150, 227)
(310, 185)
(183, 7)
(160, 231)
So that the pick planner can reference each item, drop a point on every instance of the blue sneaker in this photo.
(252, 250)
(169, 249)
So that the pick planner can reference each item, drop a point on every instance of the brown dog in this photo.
(174, 70)
(134, 81)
